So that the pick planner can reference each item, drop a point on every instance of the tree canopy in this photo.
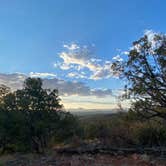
(145, 72)
(34, 115)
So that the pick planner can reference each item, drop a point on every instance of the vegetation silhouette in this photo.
(31, 119)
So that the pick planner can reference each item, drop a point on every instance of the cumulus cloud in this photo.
(66, 88)
(77, 58)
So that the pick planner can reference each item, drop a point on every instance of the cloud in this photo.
(77, 75)
(81, 58)
(125, 52)
(69, 88)
(42, 75)
(73, 94)
(101, 92)
(66, 88)
(71, 47)
(118, 58)
(14, 81)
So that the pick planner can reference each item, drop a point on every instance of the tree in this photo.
(33, 97)
(34, 115)
(145, 71)
(4, 90)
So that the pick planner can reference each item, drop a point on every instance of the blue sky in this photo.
(33, 32)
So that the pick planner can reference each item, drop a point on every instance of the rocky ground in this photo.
(54, 159)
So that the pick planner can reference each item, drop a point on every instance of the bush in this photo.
(151, 135)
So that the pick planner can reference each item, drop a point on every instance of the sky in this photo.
(72, 43)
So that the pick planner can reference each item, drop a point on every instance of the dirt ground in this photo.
(54, 159)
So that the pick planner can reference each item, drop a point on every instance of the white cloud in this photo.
(77, 58)
(105, 72)
(117, 58)
(71, 47)
(65, 67)
(77, 75)
(42, 75)
(125, 52)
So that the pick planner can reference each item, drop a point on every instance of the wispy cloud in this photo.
(42, 75)
(73, 46)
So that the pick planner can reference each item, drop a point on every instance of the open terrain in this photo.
(54, 159)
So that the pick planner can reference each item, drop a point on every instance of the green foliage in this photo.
(32, 117)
